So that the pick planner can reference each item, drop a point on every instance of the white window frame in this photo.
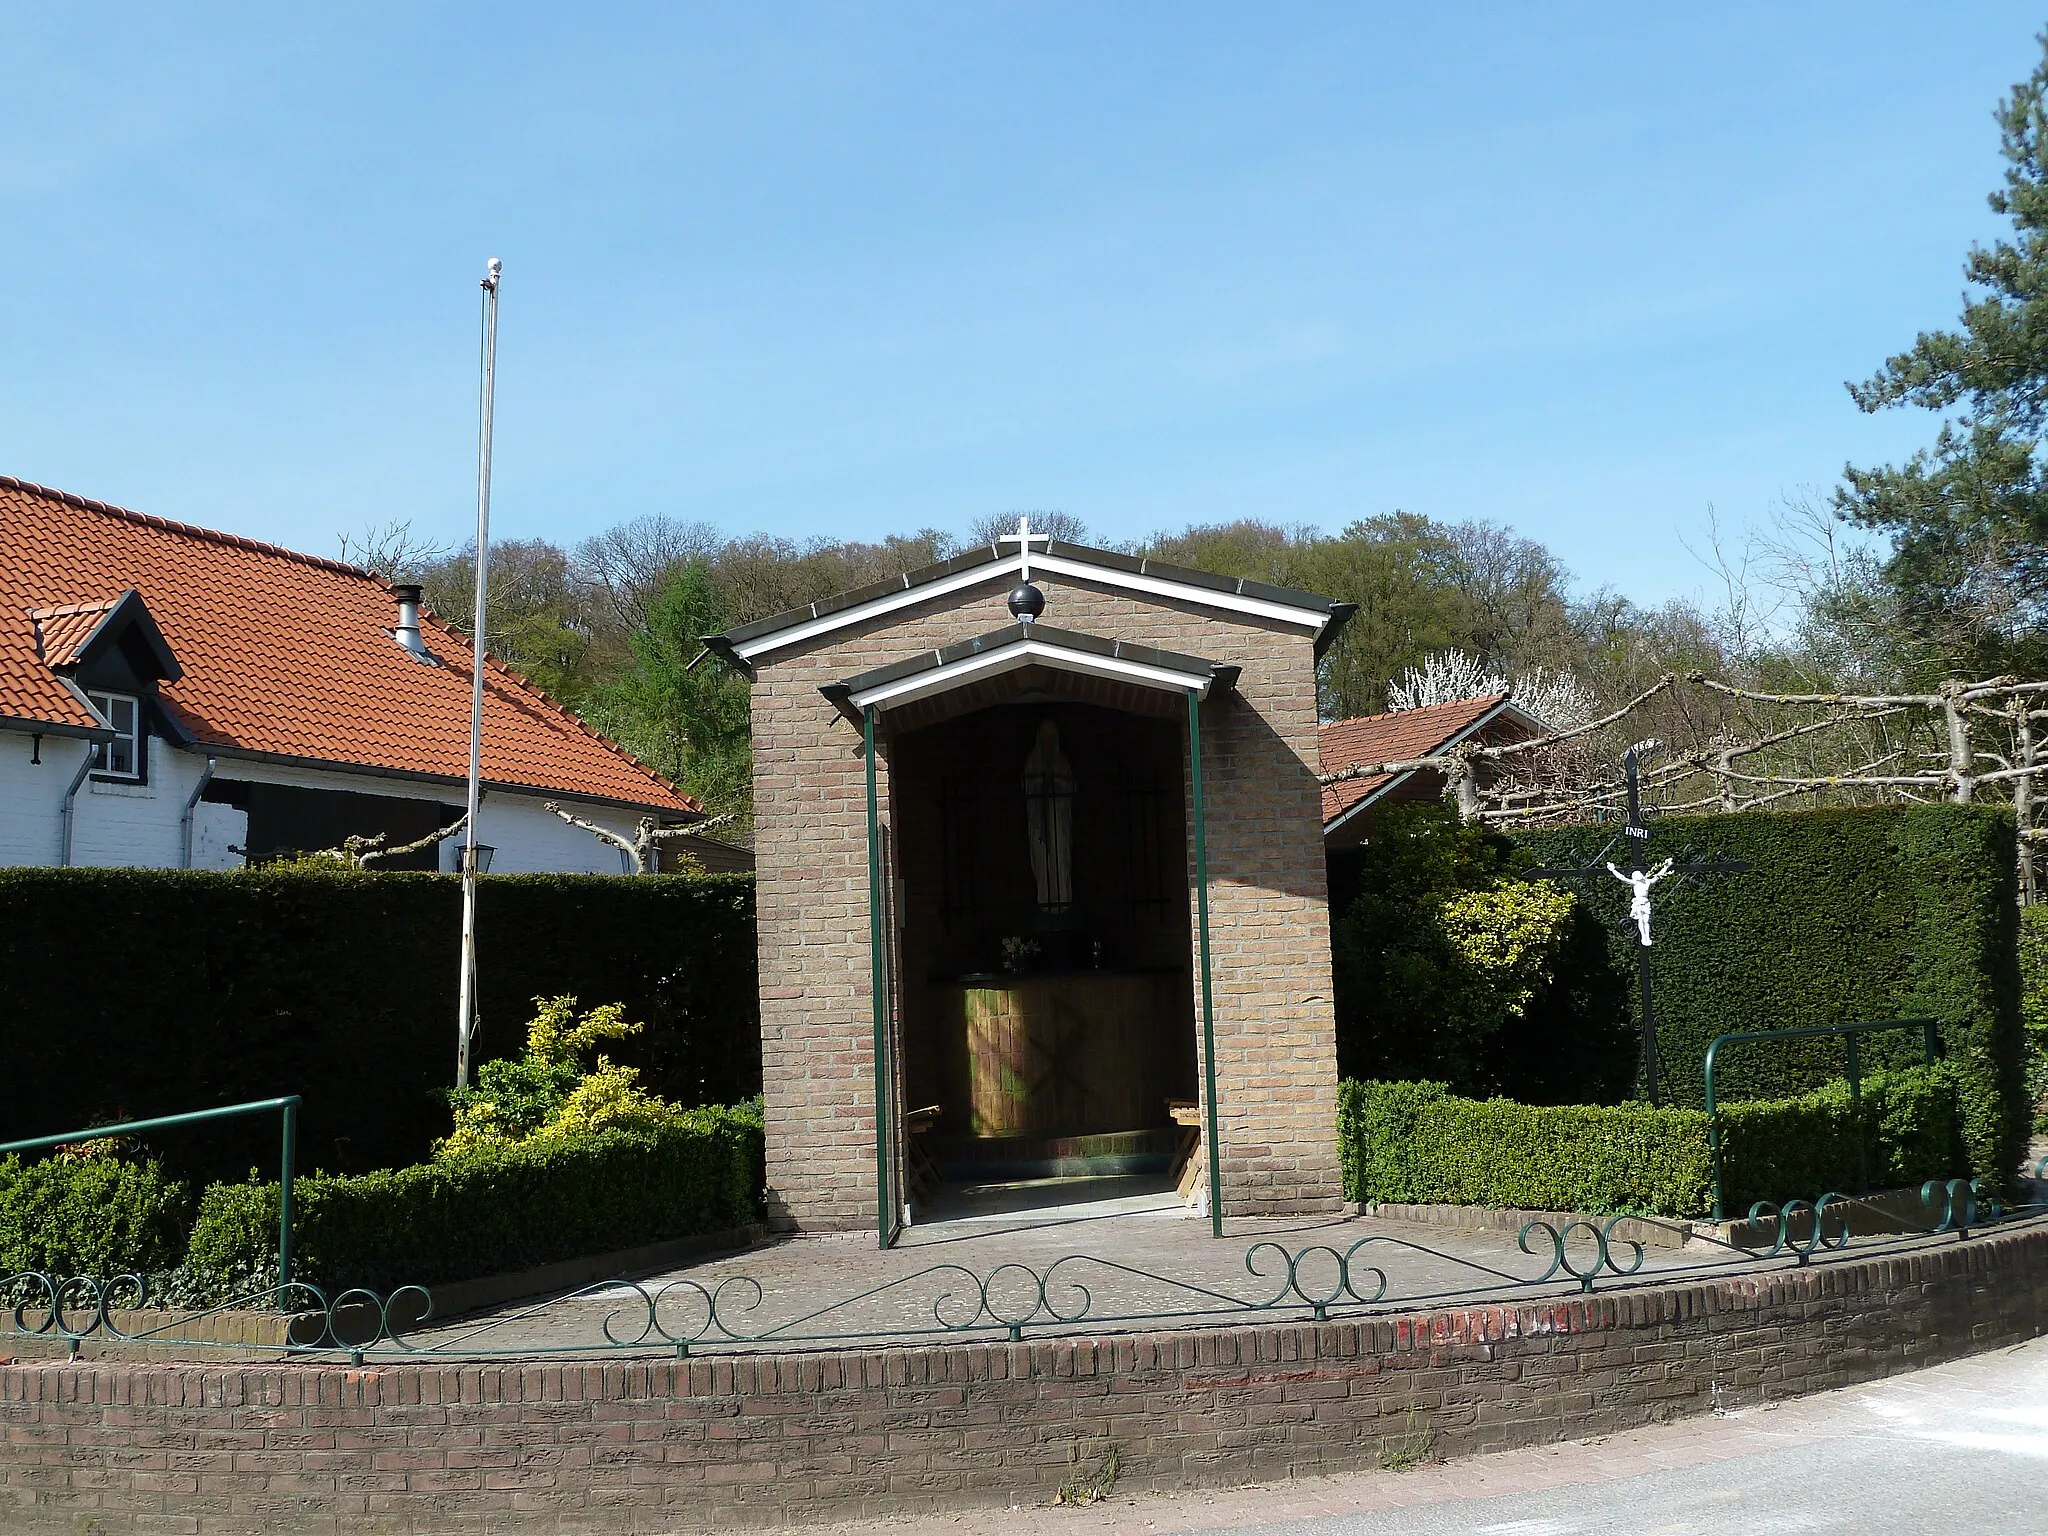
(103, 703)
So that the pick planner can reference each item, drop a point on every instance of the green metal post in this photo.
(288, 1107)
(1714, 1126)
(287, 1169)
(884, 1205)
(1849, 1033)
(1856, 1114)
(1202, 935)
(161, 1122)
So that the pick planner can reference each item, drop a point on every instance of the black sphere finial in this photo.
(1026, 602)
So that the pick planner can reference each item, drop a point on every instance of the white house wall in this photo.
(113, 823)
(530, 839)
(138, 825)
(216, 831)
(29, 797)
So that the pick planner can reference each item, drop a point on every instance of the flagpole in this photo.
(465, 1024)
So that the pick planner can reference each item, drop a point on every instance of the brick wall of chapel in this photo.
(1269, 919)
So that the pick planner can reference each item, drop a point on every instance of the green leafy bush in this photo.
(1846, 915)
(1507, 939)
(71, 1215)
(496, 1208)
(1413, 1143)
(2034, 1008)
(550, 1094)
(1448, 965)
(214, 988)
(1907, 1128)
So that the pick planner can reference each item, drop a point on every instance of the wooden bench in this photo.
(1190, 1166)
(919, 1171)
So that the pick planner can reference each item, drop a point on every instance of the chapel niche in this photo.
(1043, 891)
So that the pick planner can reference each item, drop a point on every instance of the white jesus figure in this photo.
(1640, 881)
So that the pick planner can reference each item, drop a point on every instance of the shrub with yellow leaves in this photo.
(550, 1093)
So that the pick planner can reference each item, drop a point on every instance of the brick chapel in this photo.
(1041, 885)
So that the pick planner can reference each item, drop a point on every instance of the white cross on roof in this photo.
(1024, 538)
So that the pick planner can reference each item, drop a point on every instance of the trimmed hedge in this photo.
(91, 1216)
(1845, 916)
(2034, 1007)
(1416, 1143)
(494, 1212)
(1908, 1128)
(211, 988)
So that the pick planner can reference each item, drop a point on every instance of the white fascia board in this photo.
(85, 701)
(1010, 565)
(1349, 811)
(1159, 586)
(824, 624)
(976, 668)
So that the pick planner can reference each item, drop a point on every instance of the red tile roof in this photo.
(29, 690)
(62, 632)
(285, 655)
(1390, 738)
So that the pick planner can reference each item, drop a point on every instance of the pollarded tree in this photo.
(1969, 516)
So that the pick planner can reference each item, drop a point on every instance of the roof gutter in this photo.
(414, 776)
(723, 647)
(185, 821)
(68, 813)
(30, 727)
(1340, 615)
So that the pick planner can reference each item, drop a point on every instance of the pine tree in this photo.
(1969, 517)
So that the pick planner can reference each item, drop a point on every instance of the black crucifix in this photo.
(1640, 877)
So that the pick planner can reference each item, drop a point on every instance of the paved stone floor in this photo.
(1104, 1265)
(1956, 1448)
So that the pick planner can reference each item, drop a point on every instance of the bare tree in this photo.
(631, 562)
(393, 551)
(360, 852)
(1906, 746)
(647, 835)
(1063, 526)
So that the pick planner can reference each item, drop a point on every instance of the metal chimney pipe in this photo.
(407, 631)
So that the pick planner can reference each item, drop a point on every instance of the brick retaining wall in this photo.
(755, 1440)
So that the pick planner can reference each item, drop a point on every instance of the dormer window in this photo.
(120, 758)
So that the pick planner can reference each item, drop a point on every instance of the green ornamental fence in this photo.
(287, 1109)
(1849, 1035)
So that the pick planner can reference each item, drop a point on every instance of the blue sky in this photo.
(845, 270)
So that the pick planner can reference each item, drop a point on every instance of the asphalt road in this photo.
(1959, 1448)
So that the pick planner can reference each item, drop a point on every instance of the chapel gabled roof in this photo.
(745, 645)
(284, 656)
